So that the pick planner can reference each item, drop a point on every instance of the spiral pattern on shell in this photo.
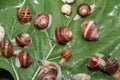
(41, 20)
(83, 9)
(23, 39)
(109, 65)
(63, 34)
(6, 48)
(90, 30)
(24, 58)
(66, 54)
(24, 14)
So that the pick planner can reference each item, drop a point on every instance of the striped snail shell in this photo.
(109, 64)
(23, 39)
(65, 55)
(24, 14)
(90, 30)
(6, 48)
(63, 34)
(49, 71)
(23, 59)
(41, 20)
(83, 9)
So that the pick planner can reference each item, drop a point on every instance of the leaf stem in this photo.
(50, 51)
(33, 78)
(71, 19)
(15, 71)
(48, 38)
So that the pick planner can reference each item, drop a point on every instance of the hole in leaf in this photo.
(5, 75)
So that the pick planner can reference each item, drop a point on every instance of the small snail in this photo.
(107, 64)
(49, 71)
(24, 14)
(90, 30)
(23, 39)
(23, 59)
(66, 9)
(81, 76)
(65, 55)
(83, 9)
(68, 1)
(6, 48)
(41, 20)
(2, 33)
(63, 34)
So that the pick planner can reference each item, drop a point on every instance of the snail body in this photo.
(41, 20)
(2, 33)
(23, 59)
(23, 39)
(49, 71)
(24, 14)
(63, 34)
(107, 64)
(6, 48)
(90, 30)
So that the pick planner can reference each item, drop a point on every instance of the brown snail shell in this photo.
(24, 58)
(41, 20)
(93, 61)
(83, 9)
(90, 30)
(6, 48)
(24, 14)
(49, 71)
(109, 65)
(23, 39)
(63, 34)
(65, 55)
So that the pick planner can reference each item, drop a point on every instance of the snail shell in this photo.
(83, 9)
(63, 34)
(2, 33)
(90, 30)
(66, 9)
(93, 61)
(49, 71)
(24, 14)
(68, 1)
(109, 65)
(23, 39)
(65, 55)
(6, 48)
(23, 59)
(41, 20)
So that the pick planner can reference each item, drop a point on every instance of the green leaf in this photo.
(106, 15)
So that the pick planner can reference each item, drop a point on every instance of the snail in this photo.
(24, 14)
(63, 34)
(65, 55)
(2, 33)
(23, 59)
(66, 9)
(90, 30)
(42, 20)
(106, 63)
(68, 1)
(84, 10)
(49, 71)
(81, 76)
(23, 39)
(6, 48)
